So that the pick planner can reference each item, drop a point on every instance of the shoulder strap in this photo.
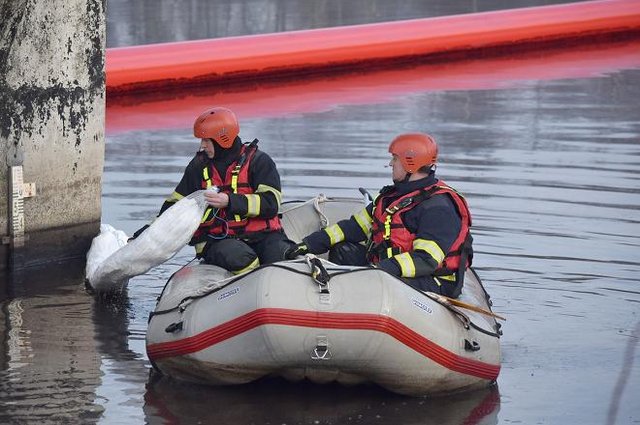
(248, 150)
(412, 201)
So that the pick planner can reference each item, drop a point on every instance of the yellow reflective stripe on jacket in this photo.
(234, 187)
(206, 177)
(364, 220)
(407, 267)
(174, 197)
(450, 278)
(430, 247)
(234, 179)
(253, 205)
(263, 188)
(199, 247)
(206, 215)
(387, 227)
(234, 183)
(336, 235)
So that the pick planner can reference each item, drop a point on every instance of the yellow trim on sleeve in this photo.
(430, 247)
(336, 235)
(407, 266)
(253, 205)
(174, 197)
(263, 188)
(364, 221)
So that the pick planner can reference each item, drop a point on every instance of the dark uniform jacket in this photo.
(263, 179)
(434, 219)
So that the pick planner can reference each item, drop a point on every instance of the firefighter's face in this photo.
(206, 146)
(398, 174)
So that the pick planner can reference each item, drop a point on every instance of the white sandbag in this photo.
(106, 243)
(158, 243)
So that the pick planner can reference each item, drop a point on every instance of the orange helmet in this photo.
(219, 124)
(415, 150)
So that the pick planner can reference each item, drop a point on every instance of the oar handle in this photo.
(452, 301)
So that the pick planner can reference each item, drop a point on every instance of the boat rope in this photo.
(324, 221)
(330, 273)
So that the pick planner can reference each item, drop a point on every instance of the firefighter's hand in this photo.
(296, 251)
(216, 200)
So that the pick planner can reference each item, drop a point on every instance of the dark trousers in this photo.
(351, 254)
(236, 255)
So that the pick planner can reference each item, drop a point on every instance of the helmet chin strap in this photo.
(408, 175)
(404, 179)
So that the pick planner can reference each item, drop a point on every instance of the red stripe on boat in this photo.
(324, 320)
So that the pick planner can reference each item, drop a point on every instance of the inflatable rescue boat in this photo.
(312, 319)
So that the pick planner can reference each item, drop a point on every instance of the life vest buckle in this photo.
(402, 204)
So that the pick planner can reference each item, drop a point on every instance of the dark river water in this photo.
(545, 146)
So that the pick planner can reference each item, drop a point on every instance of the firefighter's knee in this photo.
(233, 255)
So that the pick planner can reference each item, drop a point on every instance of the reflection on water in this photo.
(546, 149)
(304, 403)
(50, 364)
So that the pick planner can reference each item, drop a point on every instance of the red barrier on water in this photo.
(168, 110)
(249, 57)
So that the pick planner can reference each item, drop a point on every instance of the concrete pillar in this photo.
(52, 102)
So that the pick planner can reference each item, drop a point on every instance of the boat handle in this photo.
(174, 327)
(321, 350)
(471, 345)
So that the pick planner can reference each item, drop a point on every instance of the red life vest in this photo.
(236, 180)
(391, 237)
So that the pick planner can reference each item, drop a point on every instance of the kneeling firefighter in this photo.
(417, 229)
(240, 230)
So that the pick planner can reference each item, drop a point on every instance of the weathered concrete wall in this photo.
(52, 121)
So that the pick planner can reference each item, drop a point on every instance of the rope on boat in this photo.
(324, 221)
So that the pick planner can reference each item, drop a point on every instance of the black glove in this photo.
(296, 250)
(139, 232)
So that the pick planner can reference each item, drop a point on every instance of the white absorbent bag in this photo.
(106, 243)
(111, 264)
